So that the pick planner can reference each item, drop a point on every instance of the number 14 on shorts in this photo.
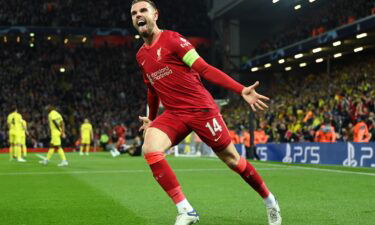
(215, 127)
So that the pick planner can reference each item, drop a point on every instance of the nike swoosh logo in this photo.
(216, 139)
(193, 213)
(143, 63)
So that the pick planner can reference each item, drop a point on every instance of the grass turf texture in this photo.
(99, 189)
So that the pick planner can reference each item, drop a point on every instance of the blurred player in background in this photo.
(188, 141)
(326, 132)
(361, 133)
(14, 121)
(198, 144)
(103, 140)
(172, 71)
(23, 134)
(245, 140)
(11, 133)
(57, 131)
(136, 148)
(86, 137)
(120, 130)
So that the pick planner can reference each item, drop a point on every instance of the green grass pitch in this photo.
(99, 189)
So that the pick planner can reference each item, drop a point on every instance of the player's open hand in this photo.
(63, 135)
(145, 123)
(254, 99)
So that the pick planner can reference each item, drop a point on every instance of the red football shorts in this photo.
(208, 124)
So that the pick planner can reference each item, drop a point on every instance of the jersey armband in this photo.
(190, 57)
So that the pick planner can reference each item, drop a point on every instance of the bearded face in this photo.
(144, 18)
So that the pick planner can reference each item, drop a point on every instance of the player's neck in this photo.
(153, 37)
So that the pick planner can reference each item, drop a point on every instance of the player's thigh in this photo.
(17, 140)
(55, 140)
(12, 137)
(155, 141)
(229, 155)
(165, 131)
(86, 141)
(212, 130)
(23, 140)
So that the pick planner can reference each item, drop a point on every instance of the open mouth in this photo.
(141, 23)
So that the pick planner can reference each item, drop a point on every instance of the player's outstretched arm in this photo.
(254, 99)
(187, 53)
(63, 135)
(153, 102)
(216, 76)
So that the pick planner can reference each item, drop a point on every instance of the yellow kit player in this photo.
(15, 127)
(23, 134)
(57, 129)
(86, 137)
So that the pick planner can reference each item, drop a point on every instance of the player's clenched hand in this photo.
(145, 123)
(254, 99)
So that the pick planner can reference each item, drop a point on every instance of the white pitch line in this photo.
(308, 168)
(335, 171)
(270, 164)
(40, 156)
(288, 166)
(114, 171)
(324, 170)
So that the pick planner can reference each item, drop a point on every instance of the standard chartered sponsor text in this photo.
(159, 74)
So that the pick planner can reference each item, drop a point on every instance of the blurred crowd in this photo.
(104, 85)
(106, 13)
(315, 22)
(101, 84)
(303, 108)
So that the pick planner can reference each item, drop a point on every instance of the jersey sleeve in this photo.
(60, 118)
(56, 117)
(216, 76)
(183, 49)
(153, 100)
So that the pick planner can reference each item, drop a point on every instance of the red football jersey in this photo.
(119, 130)
(178, 86)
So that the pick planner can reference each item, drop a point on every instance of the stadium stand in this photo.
(102, 84)
(300, 104)
(108, 13)
(315, 22)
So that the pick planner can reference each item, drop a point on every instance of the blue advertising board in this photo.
(344, 153)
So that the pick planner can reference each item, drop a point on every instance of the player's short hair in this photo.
(50, 107)
(148, 1)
